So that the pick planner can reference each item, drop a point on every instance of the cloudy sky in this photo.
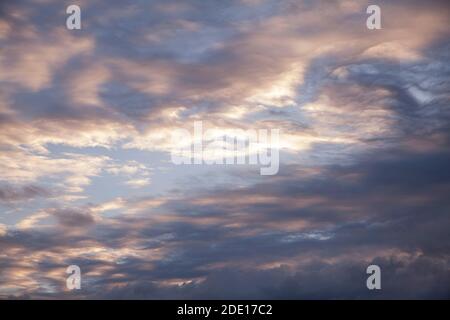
(86, 177)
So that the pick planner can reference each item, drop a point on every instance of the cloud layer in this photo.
(86, 118)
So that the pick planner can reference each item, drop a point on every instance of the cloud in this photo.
(73, 217)
(87, 119)
(306, 238)
(10, 193)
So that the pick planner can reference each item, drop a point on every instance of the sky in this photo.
(87, 178)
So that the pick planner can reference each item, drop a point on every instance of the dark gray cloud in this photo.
(73, 217)
(10, 193)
